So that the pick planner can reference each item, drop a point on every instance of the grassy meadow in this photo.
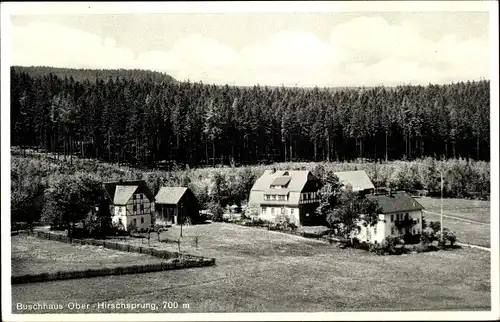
(475, 229)
(265, 271)
(32, 255)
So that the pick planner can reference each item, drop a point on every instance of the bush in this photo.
(216, 211)
(389, 246)
(258, 222)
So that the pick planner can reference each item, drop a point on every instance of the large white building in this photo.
(289, 193)
(401, 215)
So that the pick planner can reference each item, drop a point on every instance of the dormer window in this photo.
(285, 173)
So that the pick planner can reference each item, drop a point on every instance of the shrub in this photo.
(216, 211)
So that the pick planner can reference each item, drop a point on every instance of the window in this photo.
(135, 207)
(418, 220)
(142, 220)
(266, 197)
(142, 208)
(134, 221)
(292, 211)
(142, 196)
(283, 210)
(263, 210)
(375, 230)
(406, 215)
(392, 218)
(392, 230)
(274, 197)
(134, 197)
(413, 231)
(272, 211)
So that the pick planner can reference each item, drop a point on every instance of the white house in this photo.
(131, 204)
(286, 193)
(401, 215)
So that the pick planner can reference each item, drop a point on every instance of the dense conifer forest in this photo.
(145, 118)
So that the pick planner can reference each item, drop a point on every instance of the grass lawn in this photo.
(265, 271)
(31, 255)
(467, 232)
(477, 210)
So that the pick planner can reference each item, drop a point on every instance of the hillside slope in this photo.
(92, 75)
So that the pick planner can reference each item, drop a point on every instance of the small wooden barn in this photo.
(176, 205)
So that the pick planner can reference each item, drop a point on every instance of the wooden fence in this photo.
(163, 254)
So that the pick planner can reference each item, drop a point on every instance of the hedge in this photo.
(121, 270)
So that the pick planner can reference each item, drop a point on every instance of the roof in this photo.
(358, 180)
(278, 192)
(123, 194)
(110, 188)
(298, 179)
(170, 195)
(281, 181)
(398, 202)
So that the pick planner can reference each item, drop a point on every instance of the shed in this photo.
(176, 205)
(358, 180)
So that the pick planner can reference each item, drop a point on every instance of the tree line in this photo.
(146, 121)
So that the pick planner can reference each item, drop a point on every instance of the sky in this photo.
(280, 48)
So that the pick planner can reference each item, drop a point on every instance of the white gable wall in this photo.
(386, 227)
(270, 213)
(127, 215)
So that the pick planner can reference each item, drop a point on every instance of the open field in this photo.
(474, 210)
(265, 271)
(474, 229)
(31, 255)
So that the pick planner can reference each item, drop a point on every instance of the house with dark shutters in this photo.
(131, 204)
(401, 216)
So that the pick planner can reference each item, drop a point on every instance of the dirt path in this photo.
(458, 218)
(475, 246)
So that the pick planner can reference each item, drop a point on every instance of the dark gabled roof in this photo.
(397, 202)
(281, 181)
(170, 195)
(110, 188)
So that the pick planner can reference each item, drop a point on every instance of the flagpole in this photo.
(441, 207)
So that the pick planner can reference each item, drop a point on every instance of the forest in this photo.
(148, 119)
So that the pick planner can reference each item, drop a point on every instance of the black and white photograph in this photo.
(250, 161)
